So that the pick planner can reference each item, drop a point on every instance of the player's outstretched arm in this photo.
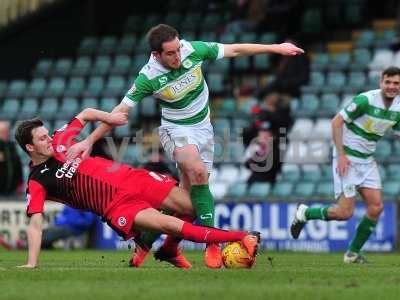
(112, 119)
(84, 147)
(34, 233)
(234, 50)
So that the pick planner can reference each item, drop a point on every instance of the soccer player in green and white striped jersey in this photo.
(173, 75)
(356, 130)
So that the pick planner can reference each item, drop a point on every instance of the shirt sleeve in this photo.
(64, 137)
(140, 89)
(212, 51)
(35, 197)
(356, 108)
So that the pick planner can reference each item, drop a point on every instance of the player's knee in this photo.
(181, 202)
(375, 210)
(345, 213)
(198, 173)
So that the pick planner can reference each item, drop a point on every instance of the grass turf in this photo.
(105, 275)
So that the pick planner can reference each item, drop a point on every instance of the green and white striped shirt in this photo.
(367, 120)
(183, 93)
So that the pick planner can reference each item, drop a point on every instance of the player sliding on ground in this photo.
(128, 199)
(356, 130)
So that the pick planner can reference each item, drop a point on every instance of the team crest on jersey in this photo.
(121, 221)
(187, 63)
(163, 80)
(352, 107)
(61, 148)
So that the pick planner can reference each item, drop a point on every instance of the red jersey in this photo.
(90, 184)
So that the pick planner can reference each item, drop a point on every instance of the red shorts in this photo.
(142, 189)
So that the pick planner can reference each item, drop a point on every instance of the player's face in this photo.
(264, 136)
(41, 143)
(390, 86)
(170, 57)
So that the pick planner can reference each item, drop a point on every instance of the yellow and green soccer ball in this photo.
(235, 256)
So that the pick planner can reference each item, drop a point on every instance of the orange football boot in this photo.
(139, 255)
(213, 256)
(250, 242)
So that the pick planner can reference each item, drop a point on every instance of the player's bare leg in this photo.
(195, 171)
(373, 201)
(178, 202)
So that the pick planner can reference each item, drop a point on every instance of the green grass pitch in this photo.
(99, 275)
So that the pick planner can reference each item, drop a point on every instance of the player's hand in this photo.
(289, 49)
(118, 119)
(342, 165)
(81, 149)
(27, 266)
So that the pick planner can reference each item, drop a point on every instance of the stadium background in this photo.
(57, 57)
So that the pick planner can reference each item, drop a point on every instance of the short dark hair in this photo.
(23, 133)
(391, 71)
(160, 34)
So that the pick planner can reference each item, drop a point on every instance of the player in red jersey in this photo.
(128, 199)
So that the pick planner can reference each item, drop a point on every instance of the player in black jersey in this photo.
(128, 199)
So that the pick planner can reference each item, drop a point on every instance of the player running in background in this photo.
(173, 75)
(128, 199)
(356, 130)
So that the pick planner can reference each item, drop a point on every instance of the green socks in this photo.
(364, 230)
(203, 204)
(317, 213)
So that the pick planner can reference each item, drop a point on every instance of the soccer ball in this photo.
(235, 256)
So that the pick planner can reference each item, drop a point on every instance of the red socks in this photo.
(171, 242)
(201, 234)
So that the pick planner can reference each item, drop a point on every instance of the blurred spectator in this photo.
(272, 122)
(291, 72)
(261, 156)
(68, 223)
(246, 16)
(275, 109)
(10, 163)
(13, 9)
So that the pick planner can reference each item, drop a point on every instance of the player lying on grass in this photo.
(128, 199)
(356, 129)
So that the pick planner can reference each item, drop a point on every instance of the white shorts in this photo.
(358, 175)
(201, 135)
